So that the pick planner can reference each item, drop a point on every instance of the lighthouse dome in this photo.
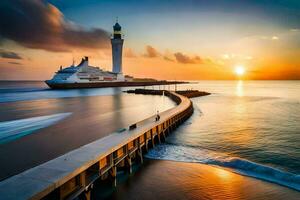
(117, 27)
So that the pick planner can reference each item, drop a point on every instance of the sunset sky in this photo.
(183, 40)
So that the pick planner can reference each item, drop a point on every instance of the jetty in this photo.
(72, 175)
(186, 93)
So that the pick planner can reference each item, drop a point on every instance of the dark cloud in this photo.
(179, 57)
(185, 59)
(40, 25)
(9, 54)
(15, 63)
(168, 58)
(151, 52)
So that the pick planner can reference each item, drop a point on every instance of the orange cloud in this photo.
(179, 57)
(185, 59)
(129, 53)
(151, 52)
(168, 58)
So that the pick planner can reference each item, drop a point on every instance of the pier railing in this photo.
(73, 174)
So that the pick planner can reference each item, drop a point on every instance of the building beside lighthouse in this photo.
(84, 73)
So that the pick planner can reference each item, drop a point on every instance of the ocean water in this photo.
(249, 127)
(38, 124)
(12, 91)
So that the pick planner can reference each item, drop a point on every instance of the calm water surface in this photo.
(38, 124)
(251, 127)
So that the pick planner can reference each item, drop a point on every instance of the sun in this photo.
(239, 70)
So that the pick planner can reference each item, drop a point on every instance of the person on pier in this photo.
(157, 118)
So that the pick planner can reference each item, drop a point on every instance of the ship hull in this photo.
(109, 84)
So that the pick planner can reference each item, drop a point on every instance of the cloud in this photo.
(178, 57)
(15, 63)
(168, 58)
(151, 52)
(9, 54)
(295, 30)
(274, 37)
(129, 53)
(232, 56)
(40, 25)
(185, 59)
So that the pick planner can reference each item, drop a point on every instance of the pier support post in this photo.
(153, 142)
(159, 141)
(140, 153)
(87, 195)
(167, 131)
(146, 145)
(164, 135)
(129, 163)
(113, 173)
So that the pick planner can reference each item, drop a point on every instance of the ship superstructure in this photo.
(82, 73)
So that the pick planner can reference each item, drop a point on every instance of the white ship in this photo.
(84, 73)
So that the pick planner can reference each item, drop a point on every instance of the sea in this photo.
(251, 128)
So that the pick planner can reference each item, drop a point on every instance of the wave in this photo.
(237, 165)
(11, 130)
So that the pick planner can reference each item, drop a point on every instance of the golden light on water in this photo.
(239, 88)
(223, 174)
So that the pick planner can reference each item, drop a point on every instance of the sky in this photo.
(163, 39)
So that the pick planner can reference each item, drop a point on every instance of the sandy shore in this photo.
(177, 180)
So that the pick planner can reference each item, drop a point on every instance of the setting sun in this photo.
(239, 70)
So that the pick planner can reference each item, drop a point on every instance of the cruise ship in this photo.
(84, 73)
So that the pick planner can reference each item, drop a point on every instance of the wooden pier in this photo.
(73, 174)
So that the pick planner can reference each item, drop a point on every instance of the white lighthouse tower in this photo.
(117, 46)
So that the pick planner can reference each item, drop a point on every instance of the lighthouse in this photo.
(117, 46)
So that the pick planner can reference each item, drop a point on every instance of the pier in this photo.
(186, 93)
(73, 174)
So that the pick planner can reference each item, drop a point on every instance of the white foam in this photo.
(238, 165)
(10, 130)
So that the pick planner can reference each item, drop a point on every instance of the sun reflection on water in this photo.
(223, 174)
(239, 88)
